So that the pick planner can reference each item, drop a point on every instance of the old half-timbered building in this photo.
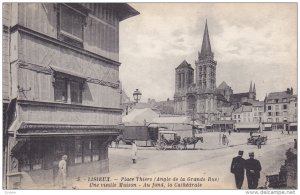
(61, 86)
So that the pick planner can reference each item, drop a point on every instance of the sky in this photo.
(251, 42)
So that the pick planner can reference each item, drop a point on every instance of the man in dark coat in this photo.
(253, 169)
(237, 168)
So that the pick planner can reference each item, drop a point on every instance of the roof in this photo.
(223, 85)
(138, 116)
(206, 47)
(184, 64)
(172, 120)
(258, 103)
(238, 96)
(124, 10)
(221, 97)
(239, 110)
(279, 95)
(226, 111)
(247, 108)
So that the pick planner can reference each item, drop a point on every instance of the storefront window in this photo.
(31, 156)
(25, 158)
(78, 151)
(95, 150)
(87, 150)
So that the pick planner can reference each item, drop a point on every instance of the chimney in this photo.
(292, 91)
(288, 91)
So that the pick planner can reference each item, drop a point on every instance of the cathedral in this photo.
(199, 97)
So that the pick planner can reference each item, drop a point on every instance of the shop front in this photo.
(38, 148)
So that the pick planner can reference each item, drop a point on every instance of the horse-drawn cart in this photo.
(168, 139)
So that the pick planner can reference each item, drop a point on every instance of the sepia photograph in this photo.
(149, 96)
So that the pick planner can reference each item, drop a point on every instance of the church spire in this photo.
(250, 90)
(206, 48)
(254, 90)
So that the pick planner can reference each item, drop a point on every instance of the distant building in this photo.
(200, 98)
(163, 107)
(281, 110)
(239, 99)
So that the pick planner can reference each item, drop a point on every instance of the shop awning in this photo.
(221, 122)
(40, 130)
(246, 126)
(293, 124)
(68, 72)
(268, 125)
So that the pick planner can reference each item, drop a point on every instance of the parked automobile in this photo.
(255, 137)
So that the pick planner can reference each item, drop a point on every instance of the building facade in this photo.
(281, 110)
(63, 86)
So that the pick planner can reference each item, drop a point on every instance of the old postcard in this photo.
(149, 96)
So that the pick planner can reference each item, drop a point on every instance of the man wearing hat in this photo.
(253, 169)
(237, 168)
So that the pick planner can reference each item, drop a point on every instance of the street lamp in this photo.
(137, 95)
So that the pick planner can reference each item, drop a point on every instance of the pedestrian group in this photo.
(252, 167)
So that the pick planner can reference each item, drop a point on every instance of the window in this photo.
(270, 120)
(284, 107)
(277, 114)
(269, 113)
(71, 25)
(284, 100)
(68, 88)
(276, 107)
(269, 107)
(61, 90)
(76, 92)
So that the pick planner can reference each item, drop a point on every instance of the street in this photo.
(207, 167)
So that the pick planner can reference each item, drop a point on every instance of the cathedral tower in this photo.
(205, 65)
(184, 76)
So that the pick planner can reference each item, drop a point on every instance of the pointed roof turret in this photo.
(184, 64)
(254, 90)
(206, 48)
(250, 90)
(223, 85)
